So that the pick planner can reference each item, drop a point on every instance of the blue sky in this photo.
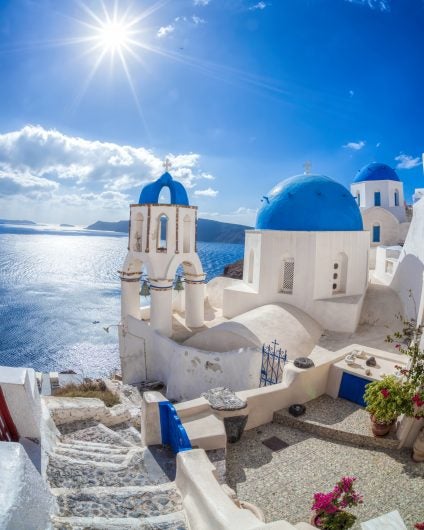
(238, 93)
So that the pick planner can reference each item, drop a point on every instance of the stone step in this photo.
(174, 521)
(94, 447)
(90, 456)
(97, 433)
(128, 433)
(133, 502)
(69, 473)
(59, 459)
(336, 419)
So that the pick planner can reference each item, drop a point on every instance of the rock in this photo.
(371, 361)
(222, 398)
(304, 362)
(234, 270)
(297, 410)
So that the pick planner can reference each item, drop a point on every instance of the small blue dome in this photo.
(376, 171)
(150, 193)
(309, 203)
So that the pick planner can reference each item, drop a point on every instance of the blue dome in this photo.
(309, 203)
(150, 193)
(376, 171)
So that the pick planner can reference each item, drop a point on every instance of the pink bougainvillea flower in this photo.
(385, 393)
(419, 526)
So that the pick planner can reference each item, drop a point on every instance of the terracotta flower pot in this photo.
(380, 429)
(313, 521)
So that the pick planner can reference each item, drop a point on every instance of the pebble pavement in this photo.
(282, 483)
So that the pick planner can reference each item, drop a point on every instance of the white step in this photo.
(174, 521)
(206, 431)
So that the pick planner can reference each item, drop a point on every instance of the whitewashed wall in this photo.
(186, 371)
(23, 400)
(387, 190)
(313, 254)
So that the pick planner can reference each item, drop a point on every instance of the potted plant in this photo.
(329, 508)
(386, 400)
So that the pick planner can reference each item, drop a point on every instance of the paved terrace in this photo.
(282, 482)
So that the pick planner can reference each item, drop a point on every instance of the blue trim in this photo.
(377, 198)
(352, 388)
(172, 430)
(376, 234)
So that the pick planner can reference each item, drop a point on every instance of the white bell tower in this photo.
(161, 238)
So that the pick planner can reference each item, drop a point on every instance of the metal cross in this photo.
(167, 164)
(307, 166)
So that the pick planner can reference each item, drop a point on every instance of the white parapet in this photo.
(25, 502)
(205, 502)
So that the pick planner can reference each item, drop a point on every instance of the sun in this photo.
(114, 36)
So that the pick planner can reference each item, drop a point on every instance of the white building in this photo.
(379, 194)
(418, 194)
(308, 250)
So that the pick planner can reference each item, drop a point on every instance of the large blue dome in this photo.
(310, 203)
(150, 193)
(376, 171)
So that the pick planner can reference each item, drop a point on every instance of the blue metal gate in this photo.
(352, 388)
(273, 361)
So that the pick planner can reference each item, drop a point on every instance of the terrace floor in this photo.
(282, 483)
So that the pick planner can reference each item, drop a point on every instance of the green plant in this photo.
(387, 399)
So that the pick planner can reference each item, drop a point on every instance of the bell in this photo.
(179, 284)
(145, 289)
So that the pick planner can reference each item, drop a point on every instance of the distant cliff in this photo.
(15, 222)
(207, 230)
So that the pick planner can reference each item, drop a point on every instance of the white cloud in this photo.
(198, 20)
(165, 30)
(355, 146)
(40, 164)
(201, 2)
(207, 176)
(407, 161)
(351, 93)
(208, 192)
(379, 5)
(260, 5)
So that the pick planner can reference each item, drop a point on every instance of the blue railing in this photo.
(173, 432)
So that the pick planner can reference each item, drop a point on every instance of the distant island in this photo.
(207, 230)
(15, 222)
(64, 225)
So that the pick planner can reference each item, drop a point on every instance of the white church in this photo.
(306, 278)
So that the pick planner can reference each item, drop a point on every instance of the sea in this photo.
(59, 288)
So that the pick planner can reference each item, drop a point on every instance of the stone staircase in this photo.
(103, 478)
(337, 419)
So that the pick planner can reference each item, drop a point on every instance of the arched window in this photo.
(287, 276)
(187, 234)
(358, 198)
(376, 233)
(138, 233)
(162, 233)
(377, 198)
(339, 273)
(396, 198)
(251, 266)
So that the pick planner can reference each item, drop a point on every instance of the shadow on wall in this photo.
(409, 277)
